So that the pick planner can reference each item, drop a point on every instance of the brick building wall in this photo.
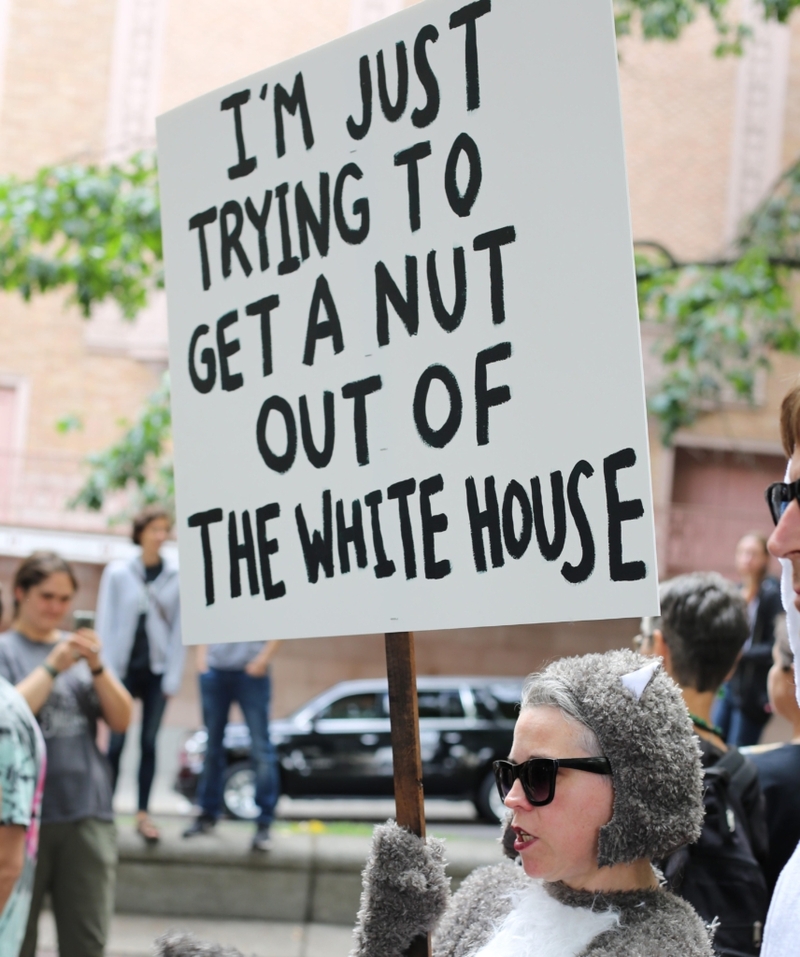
(83, 80)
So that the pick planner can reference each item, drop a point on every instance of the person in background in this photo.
(62, 678)
(780, 935)
(698, 636)
(779, 764)
(742, 709)
(138, 619)
(22, 772)
(237, 671)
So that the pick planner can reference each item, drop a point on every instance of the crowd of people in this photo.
(57, 834)
(644, 818)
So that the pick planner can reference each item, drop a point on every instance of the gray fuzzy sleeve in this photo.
(477, 909)
(187, 945)
(405, 892)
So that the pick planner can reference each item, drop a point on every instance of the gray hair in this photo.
(648, 738)
(548, 690)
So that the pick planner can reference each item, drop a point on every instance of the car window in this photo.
(368, 705)
(504, 698)
(440, 704)
(485, 705)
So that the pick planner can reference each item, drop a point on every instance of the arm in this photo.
(176, 656)
(19, 772)
(201, 658)
(116, 704)
(259, 665)
(107, 604)
(35, 687)
(12, 859)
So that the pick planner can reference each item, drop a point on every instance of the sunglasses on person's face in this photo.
(538, 775)
(779, 496)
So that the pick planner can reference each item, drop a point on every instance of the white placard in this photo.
(406, 367)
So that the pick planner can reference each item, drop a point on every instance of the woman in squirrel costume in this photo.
(603, 777)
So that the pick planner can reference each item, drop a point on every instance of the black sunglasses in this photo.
(538, 775)
(779, 496)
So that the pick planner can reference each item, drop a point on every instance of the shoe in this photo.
(147, 830)
(200, 825)
(261, 840)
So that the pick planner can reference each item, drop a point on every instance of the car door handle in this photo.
(369, 739)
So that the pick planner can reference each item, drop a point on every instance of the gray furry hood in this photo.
(644, 729)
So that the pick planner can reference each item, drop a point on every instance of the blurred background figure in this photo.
(779, 764)
(61, 677)
(742, 709)
(138, 619)
(237, 671)
(22, 772)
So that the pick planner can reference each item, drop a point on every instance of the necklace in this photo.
(711, 728)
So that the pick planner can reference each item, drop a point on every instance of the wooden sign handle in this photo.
(404, 713)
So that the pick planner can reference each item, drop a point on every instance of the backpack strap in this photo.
(741, 773)
(738, 775)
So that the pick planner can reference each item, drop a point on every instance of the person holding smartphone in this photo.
(62, 678)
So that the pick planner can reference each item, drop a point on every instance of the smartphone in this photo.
(83, 619)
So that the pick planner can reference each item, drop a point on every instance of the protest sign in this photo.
(405, 355)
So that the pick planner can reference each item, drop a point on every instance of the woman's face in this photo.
(153, 535)
(558, 842)
(751, 558)
(43, 606)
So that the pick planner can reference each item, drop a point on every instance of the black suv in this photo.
(339, 744)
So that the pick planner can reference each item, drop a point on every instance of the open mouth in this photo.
(522, 839)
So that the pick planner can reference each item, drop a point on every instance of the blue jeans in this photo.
(737, 728)
(218, 690)
(146, 686)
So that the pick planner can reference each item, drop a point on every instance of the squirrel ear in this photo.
(637, 681)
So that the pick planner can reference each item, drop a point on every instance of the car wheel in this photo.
(239, 792)
(487, 800)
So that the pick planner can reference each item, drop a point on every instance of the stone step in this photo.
(305, 878)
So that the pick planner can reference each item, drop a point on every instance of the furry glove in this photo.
(405, 892)
(186, 945)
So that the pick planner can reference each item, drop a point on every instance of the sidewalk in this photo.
(133, 936)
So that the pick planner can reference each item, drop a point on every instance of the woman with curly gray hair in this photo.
(603, 777)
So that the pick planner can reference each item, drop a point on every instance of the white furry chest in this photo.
(539, 926)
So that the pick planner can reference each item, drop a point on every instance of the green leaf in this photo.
(139, 463)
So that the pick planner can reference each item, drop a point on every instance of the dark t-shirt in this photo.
(78, 783)
(140, 653)
(779, 774)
